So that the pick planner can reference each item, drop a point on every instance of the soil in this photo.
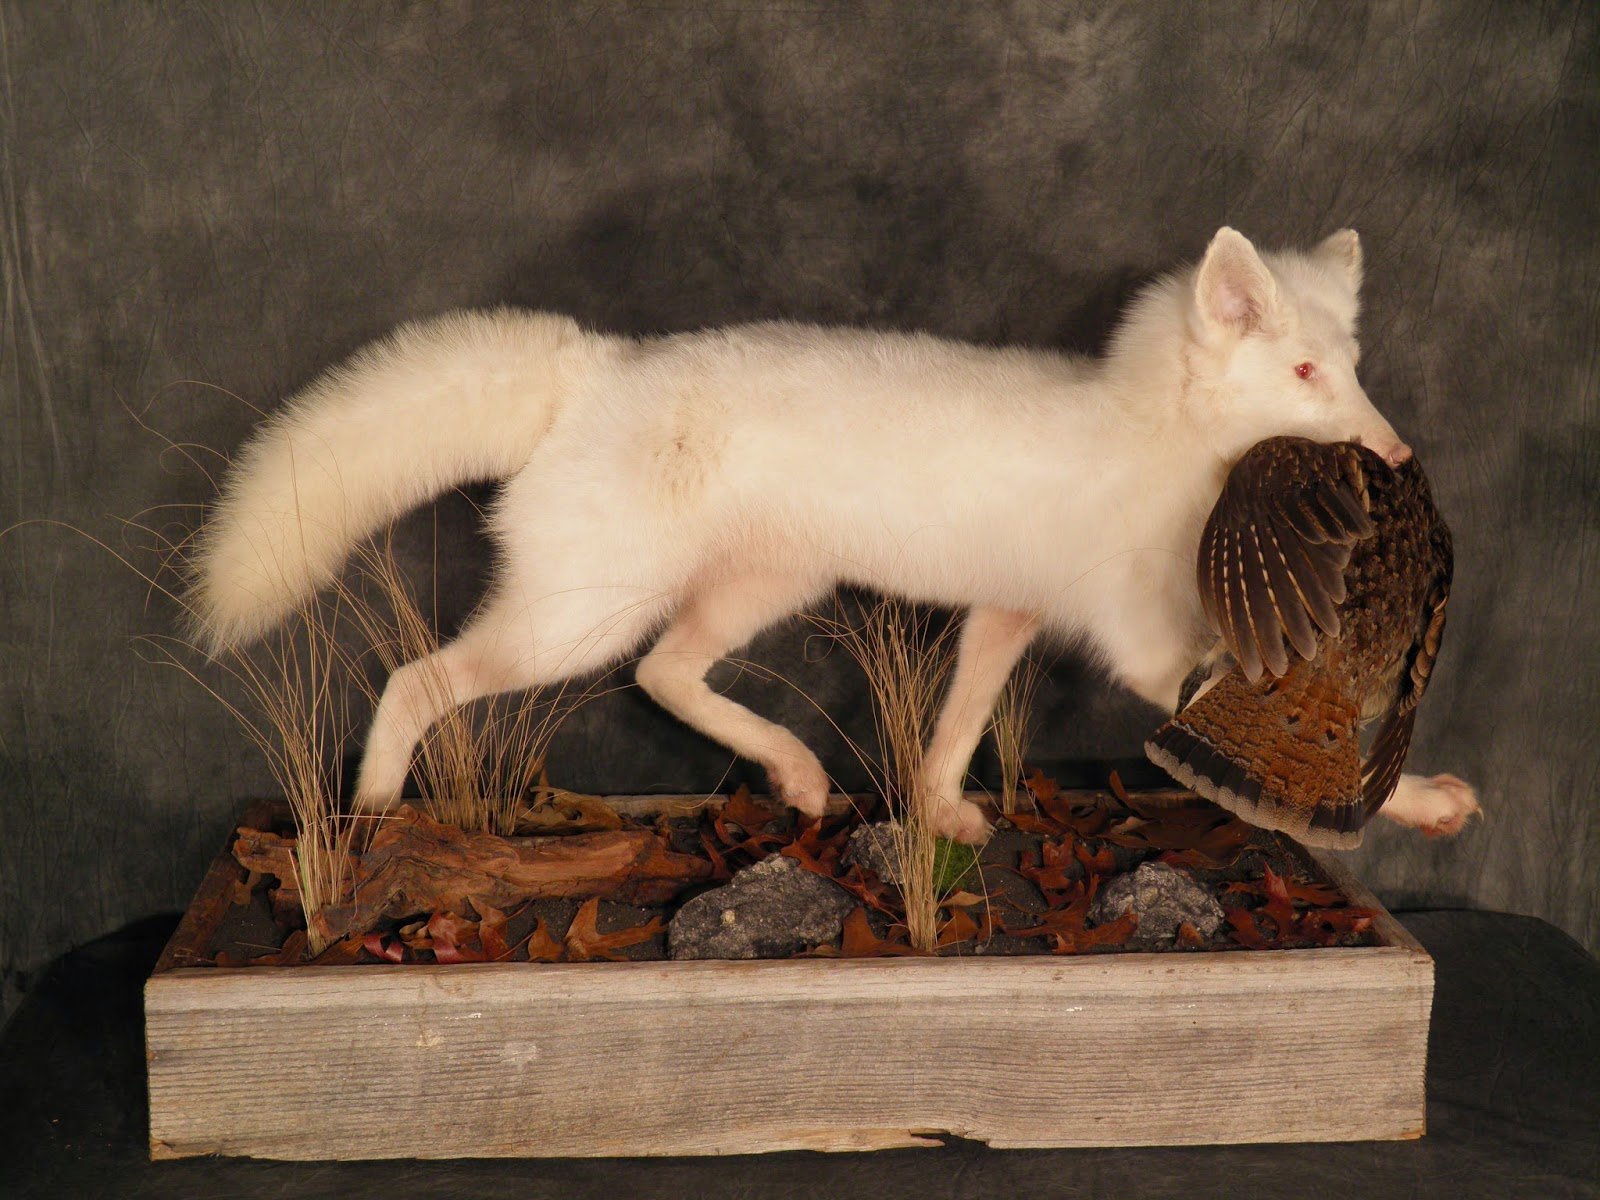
(1030, 893)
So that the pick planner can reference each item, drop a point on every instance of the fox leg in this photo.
(992, 640)
(714, 622)
(510, 644)
(1440, 806)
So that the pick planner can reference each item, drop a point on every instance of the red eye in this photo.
(1305, 370)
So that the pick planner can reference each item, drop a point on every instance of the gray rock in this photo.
(1163, 898)
(872, 848)
(771, 910)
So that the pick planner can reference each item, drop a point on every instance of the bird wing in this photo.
(1387, 755)
(1274, 550)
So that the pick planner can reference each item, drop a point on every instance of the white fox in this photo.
(708, 485)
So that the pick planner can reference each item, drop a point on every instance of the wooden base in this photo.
(672, 1058)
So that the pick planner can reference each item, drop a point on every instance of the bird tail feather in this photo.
(1283, 753)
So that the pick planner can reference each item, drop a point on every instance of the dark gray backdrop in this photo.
(198, 200)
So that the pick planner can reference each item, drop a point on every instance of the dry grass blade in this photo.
(1012, 733)
(906, 665)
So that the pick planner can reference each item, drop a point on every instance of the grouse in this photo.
(1325, 574)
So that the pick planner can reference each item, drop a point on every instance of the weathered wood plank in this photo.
(721, 1058)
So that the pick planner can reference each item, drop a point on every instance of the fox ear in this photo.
(1233, 288)
(1342, 251)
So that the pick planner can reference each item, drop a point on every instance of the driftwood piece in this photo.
(264, 853)
(415, 865)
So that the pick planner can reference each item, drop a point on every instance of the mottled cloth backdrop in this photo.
(203, 204)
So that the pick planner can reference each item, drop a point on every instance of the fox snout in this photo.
(1381, 438)
(1387, 446)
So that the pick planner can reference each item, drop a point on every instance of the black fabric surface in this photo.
(202, 205)
(1513, 1110)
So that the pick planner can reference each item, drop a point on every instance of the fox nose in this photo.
(1397, 454)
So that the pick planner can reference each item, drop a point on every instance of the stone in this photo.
(873, 848)
(1163, 898)
(770, 910)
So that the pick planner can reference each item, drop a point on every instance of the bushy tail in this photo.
(1283, 753)
(435, 404)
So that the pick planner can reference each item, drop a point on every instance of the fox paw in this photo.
(801, 784)
(1439, 807)
(960, 821)
(369, 802)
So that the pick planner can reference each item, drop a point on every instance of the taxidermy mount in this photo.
(687, 492)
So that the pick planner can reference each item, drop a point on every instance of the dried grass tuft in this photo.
(906, 665)
(1012, 731)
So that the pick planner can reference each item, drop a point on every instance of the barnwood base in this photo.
(675, 1058)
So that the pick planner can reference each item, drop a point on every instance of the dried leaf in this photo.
(542, 945)
(1040, 786)
(962, 899)
(585, 942)
(341, 953)
(744, 812)
(963, 927)
(1245, 930)
(555, 811)
(451, 936)
(1117, 790)
(390, 949)
(1057, 868)
(492, 933)
(1338, 922)
(719, 864)
(860, 942)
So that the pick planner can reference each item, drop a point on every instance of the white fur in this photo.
(1440, 806)
(719, 481)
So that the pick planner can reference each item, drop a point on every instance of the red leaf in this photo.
(1059, 869)
(541, 945)
(1338, 921)
(391, 949)
(1102, 862)
(745, 812)
(1245, 930)
(1034, 823)
(860, 942)
(492, 932)
(1279, 907)
(1117, 790)
(1040, 786)
(585, 942)
(719, 864)
(450, 935)
(963, 927)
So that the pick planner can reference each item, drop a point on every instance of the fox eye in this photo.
(1305, 370)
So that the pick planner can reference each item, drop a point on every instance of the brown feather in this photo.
(1326, 574)
(1273, 735)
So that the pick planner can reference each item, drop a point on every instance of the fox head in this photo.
(1271, 347)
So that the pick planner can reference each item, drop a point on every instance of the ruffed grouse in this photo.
(1325, 573)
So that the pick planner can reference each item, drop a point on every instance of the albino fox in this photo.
(704, 486)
